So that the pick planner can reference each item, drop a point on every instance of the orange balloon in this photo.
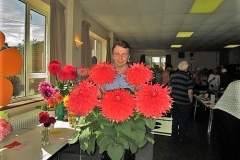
(2, 39)
(6, 91)
(10, 62)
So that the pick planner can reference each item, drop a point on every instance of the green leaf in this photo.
(150, 139)
(4, 115)
(115, 151)
(150, 123)
(138, 135)
(143, 143)
(91, 145)
(133, 148)
(85, 134)
(44, 108)
(124, 127)
(123, 142)
(105, 141)
(74, 140)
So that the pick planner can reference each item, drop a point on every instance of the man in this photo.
(121, 55)
(214, 80)
(166, 74)
(181, 87)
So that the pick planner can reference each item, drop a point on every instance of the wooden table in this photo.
(209, 105)
(31, 139)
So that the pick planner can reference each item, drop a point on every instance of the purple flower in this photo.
(44, 85)
(46, 90)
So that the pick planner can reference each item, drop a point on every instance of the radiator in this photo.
(24, 120)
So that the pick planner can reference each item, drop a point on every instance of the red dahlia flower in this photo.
(138, 74)
(44, 117)
(68, 73)
(82, 71)
(153, 100)
(83, 98)
(102, 73)
(54, 67)
(117, 105)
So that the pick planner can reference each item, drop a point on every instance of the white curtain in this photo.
(86, 57)
(57, 32)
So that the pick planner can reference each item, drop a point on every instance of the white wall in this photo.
(207, 60)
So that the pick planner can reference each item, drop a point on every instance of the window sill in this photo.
(22, 106)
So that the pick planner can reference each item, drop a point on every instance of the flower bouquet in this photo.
(54, 94)
(46, 121)
(118, 119)
(5, 125)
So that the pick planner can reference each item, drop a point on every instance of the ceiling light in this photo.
(176, 46)
(205, 6)
(184, 34)
(232, 46)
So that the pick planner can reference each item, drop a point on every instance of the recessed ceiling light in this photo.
(176, 46)
(205, 6)
(184, 34)
(232, 46)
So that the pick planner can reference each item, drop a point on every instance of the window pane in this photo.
(12, 24)
(37, 56)
(33, 85)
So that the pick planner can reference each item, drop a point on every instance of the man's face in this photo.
(120, 56)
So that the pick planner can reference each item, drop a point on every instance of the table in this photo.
(209, 105)
(31, 139)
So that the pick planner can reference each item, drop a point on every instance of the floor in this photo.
(201, 147)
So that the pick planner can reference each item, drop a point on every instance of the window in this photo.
(98, 47)
(25, 29)
(156, 61)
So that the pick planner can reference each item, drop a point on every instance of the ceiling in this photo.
(153, 24)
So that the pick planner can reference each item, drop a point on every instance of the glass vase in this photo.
(45, 135)
(71, 119)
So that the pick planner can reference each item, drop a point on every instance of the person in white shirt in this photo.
(226, 118)
(214, 81)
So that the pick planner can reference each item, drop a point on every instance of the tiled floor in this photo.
(201, 147)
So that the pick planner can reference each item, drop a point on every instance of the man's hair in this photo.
(123, 44)
(183, 65)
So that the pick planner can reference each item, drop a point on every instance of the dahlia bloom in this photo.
(82, 71)
(5, 128)
(102, 73)
(46, 90)
(153, 100)
(68, 73)
(138, 74)
(83, 98)
(117, 105)
(45, 118)
(54, 67)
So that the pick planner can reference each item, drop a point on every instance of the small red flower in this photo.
(153, 100)
(44, 117)
(102, 73)
(82, 71)
(68, 73)
(54, 67)
(83, 98)
(138, 74)
(117, 105)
